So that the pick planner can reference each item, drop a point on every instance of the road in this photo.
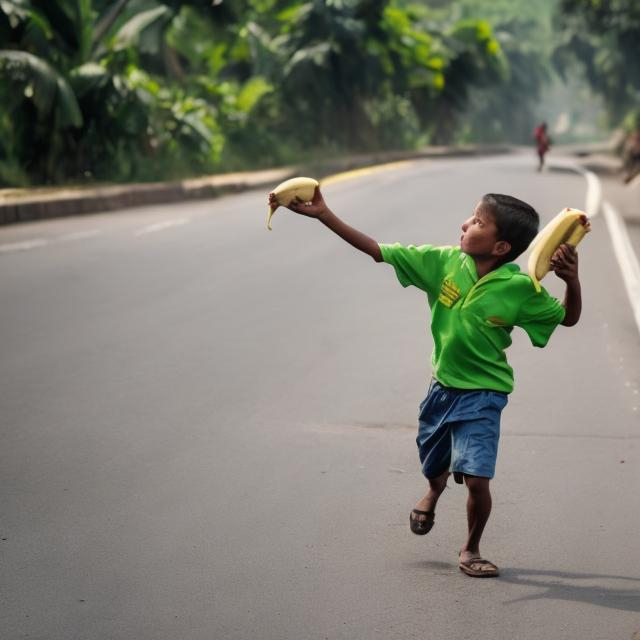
(208, 429)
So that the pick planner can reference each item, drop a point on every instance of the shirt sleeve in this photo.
(418, 266)
(539, 315)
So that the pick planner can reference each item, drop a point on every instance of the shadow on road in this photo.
(560, 585)
(557, 586)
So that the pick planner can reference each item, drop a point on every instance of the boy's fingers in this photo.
(566, 249)
(565, 252)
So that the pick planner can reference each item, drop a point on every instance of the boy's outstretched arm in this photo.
(318, 209)
(565, 265)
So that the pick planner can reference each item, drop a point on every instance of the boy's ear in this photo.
(501, 248)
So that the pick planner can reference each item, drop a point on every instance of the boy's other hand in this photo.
(314, 209)
(564, 262)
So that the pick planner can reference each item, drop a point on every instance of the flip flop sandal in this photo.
(423, 526)
(479, 568)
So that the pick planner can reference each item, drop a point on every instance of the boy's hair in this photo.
(516, 221)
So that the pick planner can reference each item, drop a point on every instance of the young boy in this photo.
(476, 296)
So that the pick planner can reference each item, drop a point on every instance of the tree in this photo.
(507, 110)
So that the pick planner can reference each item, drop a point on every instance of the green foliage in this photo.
(87, 108)
(155, 89)
(603, 37)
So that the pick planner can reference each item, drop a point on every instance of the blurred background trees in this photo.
(97, 90)
(604, 38)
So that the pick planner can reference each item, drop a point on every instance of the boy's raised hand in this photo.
(564, 262)
(314, 209)
(318, 209)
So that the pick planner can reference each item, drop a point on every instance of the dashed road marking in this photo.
(79, 235)
(25, 245)
(161, 226)
(35, 243)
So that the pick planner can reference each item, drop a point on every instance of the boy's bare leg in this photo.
(478, 511)
(429, 501)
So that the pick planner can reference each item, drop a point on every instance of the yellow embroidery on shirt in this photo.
(449, 293)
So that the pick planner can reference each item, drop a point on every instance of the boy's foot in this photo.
(476, 566)
(421, 522)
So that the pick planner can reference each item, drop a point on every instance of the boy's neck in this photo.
(485, 265)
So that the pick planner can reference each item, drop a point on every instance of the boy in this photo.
(476, 296)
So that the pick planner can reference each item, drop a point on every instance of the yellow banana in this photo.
(288, 190)
(565, 228)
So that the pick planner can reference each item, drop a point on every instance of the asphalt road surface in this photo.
(208, 429)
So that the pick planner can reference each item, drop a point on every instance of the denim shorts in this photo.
(459, 431)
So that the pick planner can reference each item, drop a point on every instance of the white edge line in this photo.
(593, 201)
(627, 259)
(625, 254)
(594, 194)
(622, 247)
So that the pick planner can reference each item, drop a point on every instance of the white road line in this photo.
(594, 194)
(627, 259)
(161, 226)
(25, 245)
(593, 201)
(625, 253)
(35, 243)
(79, 235)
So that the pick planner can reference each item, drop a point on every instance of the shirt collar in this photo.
(503, 272)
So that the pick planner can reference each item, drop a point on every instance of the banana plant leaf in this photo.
(39, 82)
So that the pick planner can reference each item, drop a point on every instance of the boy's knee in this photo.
(476, 484)
(439, 483)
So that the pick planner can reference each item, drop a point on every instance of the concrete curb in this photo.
(23, 205)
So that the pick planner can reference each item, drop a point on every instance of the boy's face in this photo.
(480, 235)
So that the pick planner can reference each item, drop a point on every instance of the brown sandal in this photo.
(479, 568)
(422, 526)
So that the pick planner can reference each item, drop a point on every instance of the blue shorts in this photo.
(459, 431)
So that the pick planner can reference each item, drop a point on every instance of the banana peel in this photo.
(566, 228)
(289, 190)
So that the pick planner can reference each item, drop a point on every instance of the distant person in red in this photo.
(543, 142)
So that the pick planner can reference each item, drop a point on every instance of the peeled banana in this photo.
(566, 228)
(288, 190)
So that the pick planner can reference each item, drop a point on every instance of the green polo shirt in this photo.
(471, 318)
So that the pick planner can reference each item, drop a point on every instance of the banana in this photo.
(565, 228)
(288, 190)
